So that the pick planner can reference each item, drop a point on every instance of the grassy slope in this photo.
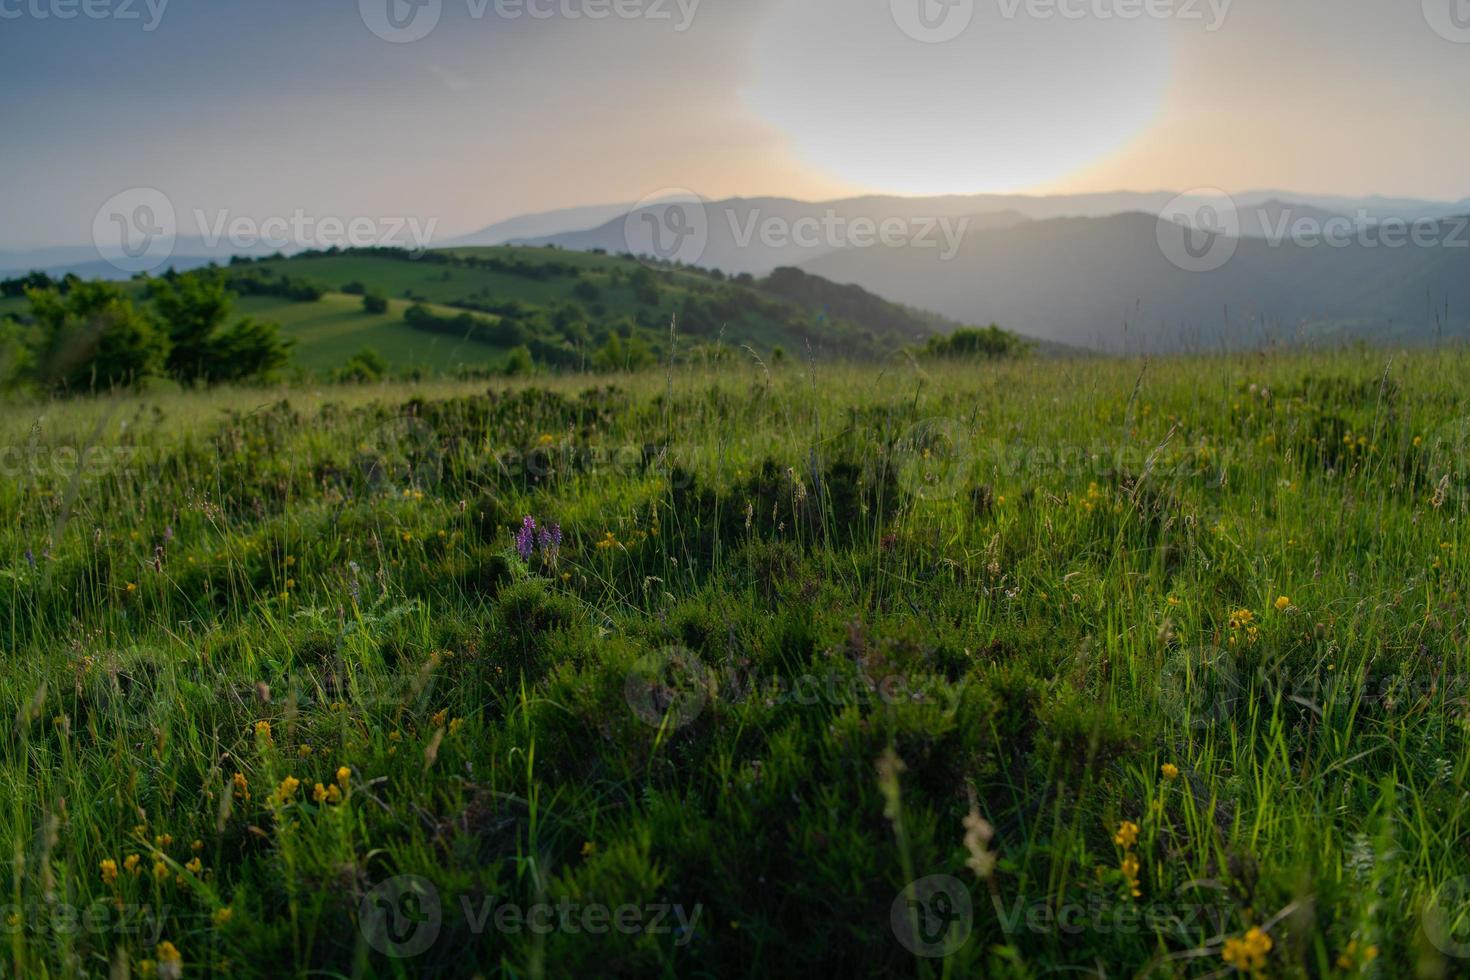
(429, 281)
(1072, 629)
(330, 331)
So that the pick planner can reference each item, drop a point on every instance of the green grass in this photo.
(881, 602)
(334, 328)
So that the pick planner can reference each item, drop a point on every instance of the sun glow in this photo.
(1010, 104)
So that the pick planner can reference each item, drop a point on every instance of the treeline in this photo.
(557, 339)
(514, 266)
(80, 336)
(968, 342)
(264, 282)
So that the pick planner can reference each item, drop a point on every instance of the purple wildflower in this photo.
(30, 558)
(526, 538)
(550, 539)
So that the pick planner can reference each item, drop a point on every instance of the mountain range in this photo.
(1088, 270)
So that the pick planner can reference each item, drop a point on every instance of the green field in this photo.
(1160, 668)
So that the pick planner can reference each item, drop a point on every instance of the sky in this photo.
(340, 108)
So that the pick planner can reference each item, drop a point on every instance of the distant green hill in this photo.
(471, 307)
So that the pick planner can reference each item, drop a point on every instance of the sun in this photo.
(1012, 103)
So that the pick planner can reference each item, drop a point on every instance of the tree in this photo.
(373, 301)
(94, 337)
(519, 362)
(194, 307)
(364, 366)
(247, 351)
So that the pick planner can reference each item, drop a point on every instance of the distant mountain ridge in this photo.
(1105, 283)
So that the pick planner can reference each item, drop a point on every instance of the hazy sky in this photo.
(270, 107)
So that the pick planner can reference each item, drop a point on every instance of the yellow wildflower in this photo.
(1248, 952)
(170, 961)
(1170, 771)
(1354, 956)
(1282, 604)
(286, 790)
(1127, 834)
(109, 871)
(130, 865)
(1129, 866)
(223, 916)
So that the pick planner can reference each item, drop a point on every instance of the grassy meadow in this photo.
(1092, 666)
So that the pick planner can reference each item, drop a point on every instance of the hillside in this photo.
(471, 307)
